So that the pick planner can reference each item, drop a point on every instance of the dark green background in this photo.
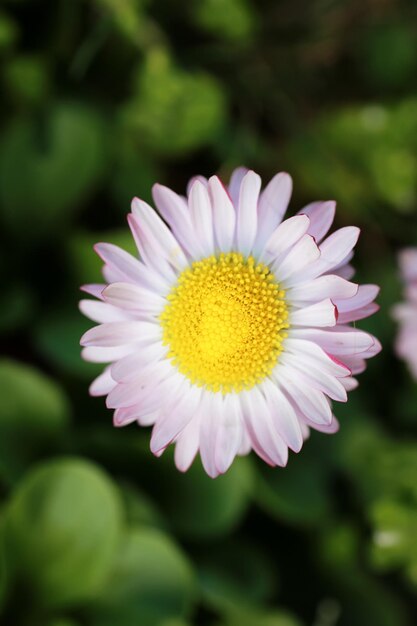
(99, 100)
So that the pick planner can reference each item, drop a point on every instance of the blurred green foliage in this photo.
(100, 99)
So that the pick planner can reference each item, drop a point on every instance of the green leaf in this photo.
(266, 618)
(174, 112)
(151, 580)
(27, 79)
(394, 530)
(297, 494)
(55, 161)
(33, 416)
(198, 506)
(62, 530)
(232, 20)
(237, 574)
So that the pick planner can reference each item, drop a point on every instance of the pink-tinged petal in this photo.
(120, 333)
(177, 413)
(349, 383)
(405, 313)
(312, 353)
(321, 216)
(356, 364)
(235, 181)
(283, 415)
(94, 290)
(337, 342)
(320, 314)
(150, 249)
(408, 264)
(302, 254)
(331, 429)
(258, 420)
(133, 298)
(318, 377)
(284, 237)
(102, 312)
(224, 215)
(202, 217)
(147, 389)
(126, 268)
(202, 179)
(335, 249)
(245, 446)
(329, 286)
(311, 402)
(174, 210)
(105, 355)
(346, 271)
(123, 417)
(103, 384)
(247, 215)
(364, 296)
(127, 368)
(229, 433)
(211, 409)
(187, 444)
(147, 217)
(273, 203)
(130, 367)
(358, 314)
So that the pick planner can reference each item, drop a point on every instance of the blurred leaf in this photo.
(9, 31)
(62, 531)
(27, 79)
(133, 176)
(388, 54)
(237, 574)
(297, 494)
(228, 19)
(394, 533)
(198, 506)
(174, 112)
(19, 307)
(48, 167)
(267, 618)
(62, 622)
(57, 338)
(140, 510)
(33, 416)
(127, 15)
(151, 580)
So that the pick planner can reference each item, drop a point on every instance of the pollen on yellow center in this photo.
(225, 322)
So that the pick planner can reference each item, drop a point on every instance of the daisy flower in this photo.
(406, 312)
(232, 330)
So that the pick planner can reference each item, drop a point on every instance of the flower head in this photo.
(232, 330)
(406, 312)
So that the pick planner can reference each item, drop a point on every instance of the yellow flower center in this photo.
(225, 322)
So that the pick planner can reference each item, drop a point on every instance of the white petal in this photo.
(311, 402)
(408, 264)
(120, 333)
(318, 377)
(145, 389)
(203, 180)
(133, 298)
(302, 254)
(321, 216)
(150, 249)
(174, 210)
(365, 295)
(187, 443)
(346, 271)
(273, 203)
(283, 415)
(235, 181)
(229, 433)
(128, 367)
(149, 220)
(224, 216)
(258, 420)
(103, 384)
(314, 354)
(211, 410)
(126, 267)
(335, 249)
(247, 216)
(177, 414)
(105, 355)
(284, 237)
(201, 217)
(337, 342)
(321, 314)
(330, 429)
(102, 312)
(329, 286)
